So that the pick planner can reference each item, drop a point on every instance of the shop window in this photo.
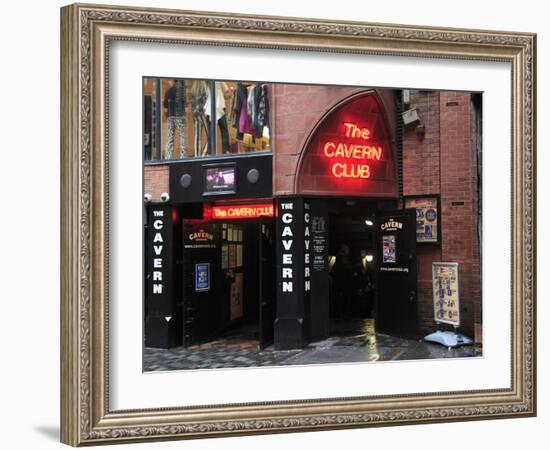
(178, 118)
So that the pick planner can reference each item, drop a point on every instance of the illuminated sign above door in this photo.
(252, 211)
(350, 152)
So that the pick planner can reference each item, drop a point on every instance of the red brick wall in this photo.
(443, 161)
(155, 181)
(296, 111)
(457, 173)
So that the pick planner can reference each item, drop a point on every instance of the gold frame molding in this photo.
(86, 31)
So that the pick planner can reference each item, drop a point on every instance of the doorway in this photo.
(236, 308)
(351, 266)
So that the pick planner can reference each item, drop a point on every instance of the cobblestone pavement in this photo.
(242, 351)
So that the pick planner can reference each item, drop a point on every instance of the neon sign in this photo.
(243, 211)
(350, 152)
(356, 155)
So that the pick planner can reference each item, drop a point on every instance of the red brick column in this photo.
(459, 200)
(421, 176)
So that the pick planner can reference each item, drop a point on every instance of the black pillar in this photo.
(293, 273)
(162, 289)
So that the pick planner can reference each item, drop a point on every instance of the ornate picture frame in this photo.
(87, 31)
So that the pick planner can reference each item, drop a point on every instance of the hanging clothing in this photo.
(220, 89)
(175, 123)
(263, 111)
(198, 103)
(174, 99)
(174, 102)
(239, 98)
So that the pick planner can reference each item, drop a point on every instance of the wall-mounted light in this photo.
(369, 258)
(369, 223)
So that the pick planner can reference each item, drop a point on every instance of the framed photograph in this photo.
(168, 115)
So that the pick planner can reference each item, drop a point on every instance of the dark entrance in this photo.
(396, 306)
(234, 302)
(351, 261)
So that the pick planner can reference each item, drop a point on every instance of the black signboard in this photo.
(319, 243)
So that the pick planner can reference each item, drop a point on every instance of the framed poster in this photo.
(446, 297)
(239, 261)
(427, 217)
(202, 277)
(106, 52)
(232, 256)
(225, 256)
(389, 249)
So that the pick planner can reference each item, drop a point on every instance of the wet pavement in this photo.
(350, 342)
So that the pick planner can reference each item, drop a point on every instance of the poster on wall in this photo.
(427, 223)
(225, 256)
(445, 293)
(236, 297)
(232, 256)
(239, 255)
(202, 277)
(388, 249)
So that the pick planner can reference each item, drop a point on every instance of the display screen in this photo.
(219, 180)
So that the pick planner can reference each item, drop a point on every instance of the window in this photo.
(177, 115)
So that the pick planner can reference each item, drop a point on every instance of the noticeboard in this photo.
(445, 293)
(427, 218)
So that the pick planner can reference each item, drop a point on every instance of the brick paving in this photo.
(359, 343)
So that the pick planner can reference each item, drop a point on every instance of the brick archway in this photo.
(349, 152)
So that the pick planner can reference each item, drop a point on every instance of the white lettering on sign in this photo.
(287, 218)
(158, 225)
(201, 235)
(391, 224)
(287, 232)
(307, 219)
(157, 288)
